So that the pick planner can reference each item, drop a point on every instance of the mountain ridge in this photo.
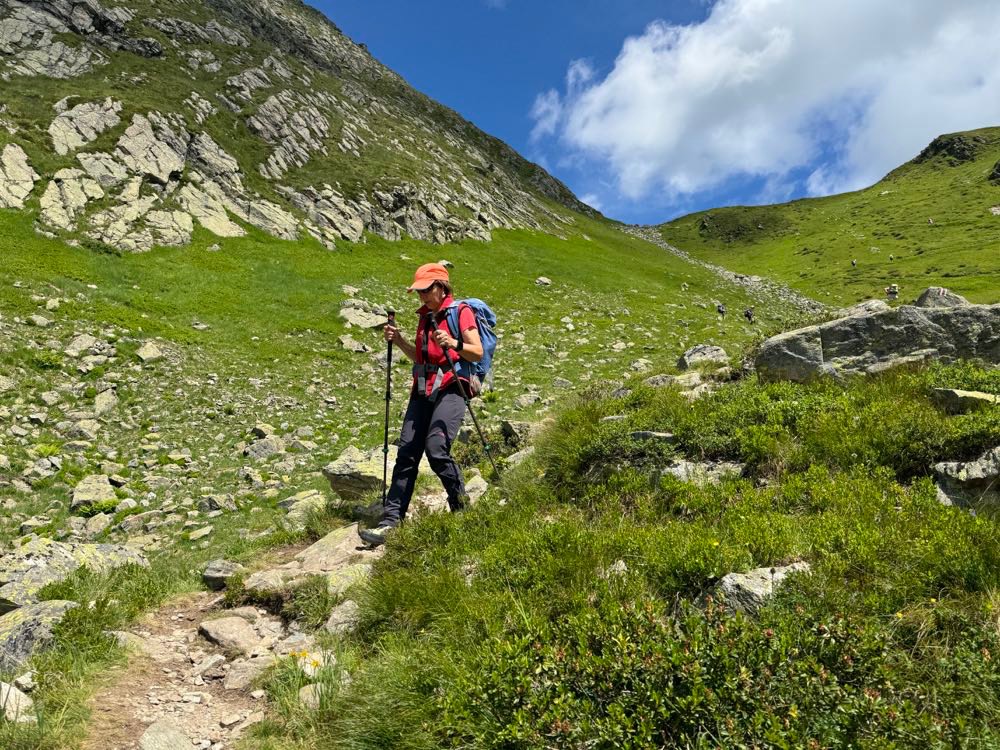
(288, 126)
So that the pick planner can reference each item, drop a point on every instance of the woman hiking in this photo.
(437, 405)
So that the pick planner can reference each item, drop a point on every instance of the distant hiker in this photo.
(748, 314)
(437, 406)
(721, 309)
(892, 257)
(892, 291)
(854, 263)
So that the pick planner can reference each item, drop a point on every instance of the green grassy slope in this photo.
(931, 214)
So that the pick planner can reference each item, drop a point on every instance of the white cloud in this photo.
(846, 89)
(592, 199)
(546, 112)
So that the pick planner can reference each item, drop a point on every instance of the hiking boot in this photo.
(376, 536)
(461, 503)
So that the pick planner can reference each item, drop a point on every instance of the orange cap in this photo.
(427, 274)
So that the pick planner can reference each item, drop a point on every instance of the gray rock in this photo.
(17, 178)
(517, 433)
(65, 197)
(149, 352)
(265, 448)
(164, 735)
(653, 437)
(515, 458)
(343, 618)
(311, 696)
(105, 402)
(353, 473)
(685, 380)
(82, 124)
(243, 672)
(92, 489)
(218, 572)
(938, 296)
(702, 473)
(301, 506)
(702, 354)
(526, 400)
(232, 634)
(16, 706)
(26, 569)
(543, 281)
(79, 345)
(970, 483)
(28, 628)
(955, 401)
(747, 592)
(872, 343)
(151, 147)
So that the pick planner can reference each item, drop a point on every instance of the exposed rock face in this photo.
(970, 483)
(938, 296)
(39, 562)
(82, 124)
(747, 592)
(25, 629)
(313, 99)
(955, 401)
(870, 343)
(17, 178)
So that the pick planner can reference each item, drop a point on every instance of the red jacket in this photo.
(428, 351)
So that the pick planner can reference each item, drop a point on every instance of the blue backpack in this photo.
(486, 320)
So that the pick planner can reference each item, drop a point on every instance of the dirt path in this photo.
(164, 683)
(764, 290)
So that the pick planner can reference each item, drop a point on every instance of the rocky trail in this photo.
(764, 290)
(192, 676)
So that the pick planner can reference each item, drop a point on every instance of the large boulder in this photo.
(938, 296)
(91, 490)
(873, 342)
(38, 562)
(28, 628)
(970, 483)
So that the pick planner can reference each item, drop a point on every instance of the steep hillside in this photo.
(932, 221)
(127, 126)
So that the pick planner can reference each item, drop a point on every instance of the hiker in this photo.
(721, 309)
(437, 404)
(748, 314)
(854, 263)
(892, 291)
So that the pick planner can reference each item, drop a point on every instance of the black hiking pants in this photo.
(428, 427)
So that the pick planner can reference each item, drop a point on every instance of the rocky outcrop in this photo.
(82, 124)
(66, 196)
(703, 354)
(970, 483)
(873, 342)
(295, 126)
(38, 562)
(17, 178)
(24, 630)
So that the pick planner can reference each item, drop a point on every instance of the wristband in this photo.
(460, 345)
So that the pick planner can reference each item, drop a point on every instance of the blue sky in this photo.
(649, 110)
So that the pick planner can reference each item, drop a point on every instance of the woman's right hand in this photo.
(391, 333)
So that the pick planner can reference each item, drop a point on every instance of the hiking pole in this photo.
(465, 395)
(388, 395)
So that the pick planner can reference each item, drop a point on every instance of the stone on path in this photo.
(232, 634)
(164, 735)
(301, 506)
(16, 706)
(747, 592)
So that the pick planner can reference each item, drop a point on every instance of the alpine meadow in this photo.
(733, 480)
